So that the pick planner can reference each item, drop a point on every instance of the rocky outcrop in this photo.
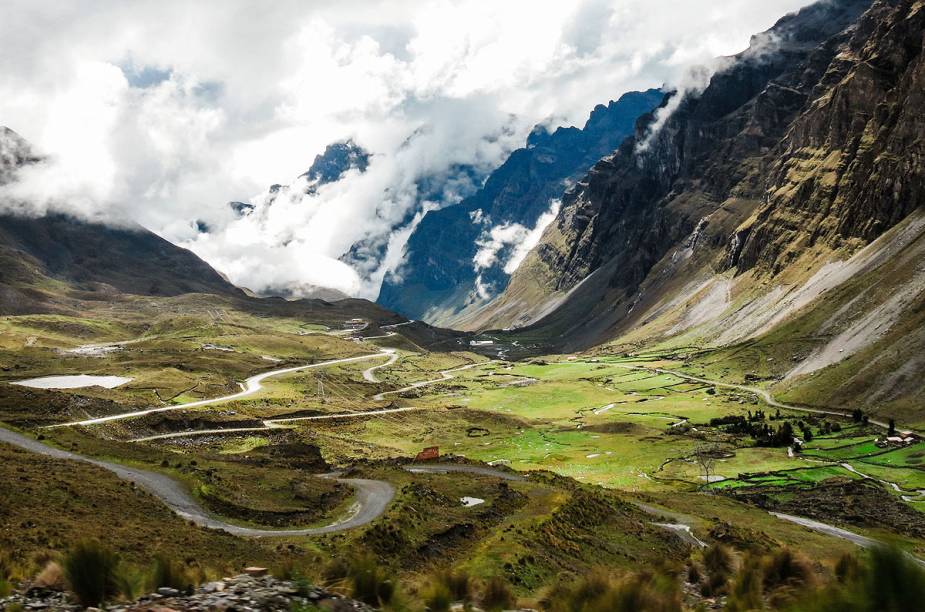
(337, 159)
(852, 164)
(440, 277)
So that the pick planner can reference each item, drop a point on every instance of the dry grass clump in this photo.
(601, 591)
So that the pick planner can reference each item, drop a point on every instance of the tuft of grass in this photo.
(497, 595)
(746, 591)
(602, 592)
(91, 572)
(889, 581)
(130, 582)
(459, 583)
(437, 597)
(718, 562)
(169, 573)
(51, 577)
(370, 581)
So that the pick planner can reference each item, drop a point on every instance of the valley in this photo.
(526, 437)
(474, 358)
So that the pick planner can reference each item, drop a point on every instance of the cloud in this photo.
(160, 112)
(507, 242)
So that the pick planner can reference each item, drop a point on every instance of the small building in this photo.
(428, 454)
(480, 342)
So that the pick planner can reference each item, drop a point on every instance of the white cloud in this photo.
(161, 111)
(506, 245)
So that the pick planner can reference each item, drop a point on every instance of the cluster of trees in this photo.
(759, 430)
(755, 425)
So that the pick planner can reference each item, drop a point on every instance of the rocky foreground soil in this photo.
(240, 593)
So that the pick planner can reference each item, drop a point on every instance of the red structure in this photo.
(429, 453)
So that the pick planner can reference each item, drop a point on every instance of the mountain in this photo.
(780, 207)
(337, 159)
(88, 256)
(328, 167)
(460, 256)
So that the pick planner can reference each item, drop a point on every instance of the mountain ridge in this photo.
(438, 279)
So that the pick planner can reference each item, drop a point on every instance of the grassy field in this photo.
(574, 422)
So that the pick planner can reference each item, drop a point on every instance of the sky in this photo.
(161, 112)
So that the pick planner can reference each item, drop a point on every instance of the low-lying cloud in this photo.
(161, 112)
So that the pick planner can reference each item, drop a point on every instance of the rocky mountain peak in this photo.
(337, 159)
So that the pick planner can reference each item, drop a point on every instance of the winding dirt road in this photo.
(372, 496)
(444, 375)
(251, 386)
(369, 375)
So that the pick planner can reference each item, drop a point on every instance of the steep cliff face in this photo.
(462, 255)
(694, 179)
(851, 166)
(779, 213)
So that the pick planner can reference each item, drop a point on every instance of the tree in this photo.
(706, 460)
(891, 431)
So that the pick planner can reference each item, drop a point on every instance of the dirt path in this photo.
(275, 424)
(251, 386)
(444, 376)
(368, 374)
(372, 496)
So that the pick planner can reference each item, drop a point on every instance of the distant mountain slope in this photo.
(91, 256)
(456, 257)
(129, 260)
(781, 208)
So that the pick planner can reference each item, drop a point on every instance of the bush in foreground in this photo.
(497, 595)
(889, 581)
(602, 592)
(91, 571)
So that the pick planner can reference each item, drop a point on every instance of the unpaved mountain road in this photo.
(372, 496)
(369, 373)
(251, 386)
(444, 376)
(275, 424)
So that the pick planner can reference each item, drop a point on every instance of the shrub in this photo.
(746, 591)
(335, 572)
(6, 575)
(130, 582)
(169, 573)
(786, 569)
(370, 581)
(889, 581)
(598, 592)
(848, 568)
(649, 592)
(693, 574)
(51, 577)
(894, 582)
(438, 597)
(497, 595)
(458, 583)
(717, 560)
(91, 572)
